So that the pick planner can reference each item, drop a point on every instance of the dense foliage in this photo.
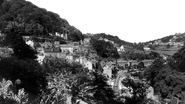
(8, 95)
(104, 49)
(179, 59)
(28, 71)
(33, 20)
(71, 79)
(112, 38)
(118, 41)
(167, 76)
(139, 55)
(137, 91)
(14, 40)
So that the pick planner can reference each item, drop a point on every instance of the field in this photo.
(167, 51)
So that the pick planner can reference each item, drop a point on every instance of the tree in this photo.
(73, 80)
(179, 58)
(14, 40)
(34, 20)
(103, 93)
(75, 34)
(104, 49)
(154, 55)
(141, 65)
(151, 72)
(137, 90)
(8, 96)
(28, 71)
(165, 79)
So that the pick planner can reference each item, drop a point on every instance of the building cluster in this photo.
(71, 51)
(172, 42)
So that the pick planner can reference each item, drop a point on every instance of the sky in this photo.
(130, 20)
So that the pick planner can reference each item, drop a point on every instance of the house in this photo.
(121, 49)
(47, 44)
(61, 35)
(87, 41)
(88, 64)
(69, 57)
(56, 43)
(85, 62)
(146, 48)
(40, 55)
(107, 70)
(26, 38)
(124, 48)
(30, 43)
(128, 48)
(66, 48)
(76, 44)
(54, 52)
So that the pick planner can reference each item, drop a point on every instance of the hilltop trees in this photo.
(104, 49)
(115, 39)
(75, 34)
(33, 20)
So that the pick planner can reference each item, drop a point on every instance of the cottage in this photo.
(146, 48)
(66, 48)
(54, 52)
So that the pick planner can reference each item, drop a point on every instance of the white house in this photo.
(86, 63)
(61, 35)
(30, 43)
(107, 70)
(146, 48)
(40, 55)
(67, 48)
(121, 49)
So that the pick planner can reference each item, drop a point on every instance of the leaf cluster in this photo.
(104, 49)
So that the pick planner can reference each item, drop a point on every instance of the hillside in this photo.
(167, 45)
(111, 38)
(177, 38)
(33, 20)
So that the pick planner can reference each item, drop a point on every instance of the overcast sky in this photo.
(130, 20)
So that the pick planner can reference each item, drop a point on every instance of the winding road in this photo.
(117, 83)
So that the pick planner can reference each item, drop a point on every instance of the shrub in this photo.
(7, 95)
(29, 72)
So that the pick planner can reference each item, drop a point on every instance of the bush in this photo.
(28, 71)
(7, 95)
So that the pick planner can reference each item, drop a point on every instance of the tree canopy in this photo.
(167, 77)
(179, 59)
(29, 72)
(104, 49)
(73, 80)
(33, 20)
